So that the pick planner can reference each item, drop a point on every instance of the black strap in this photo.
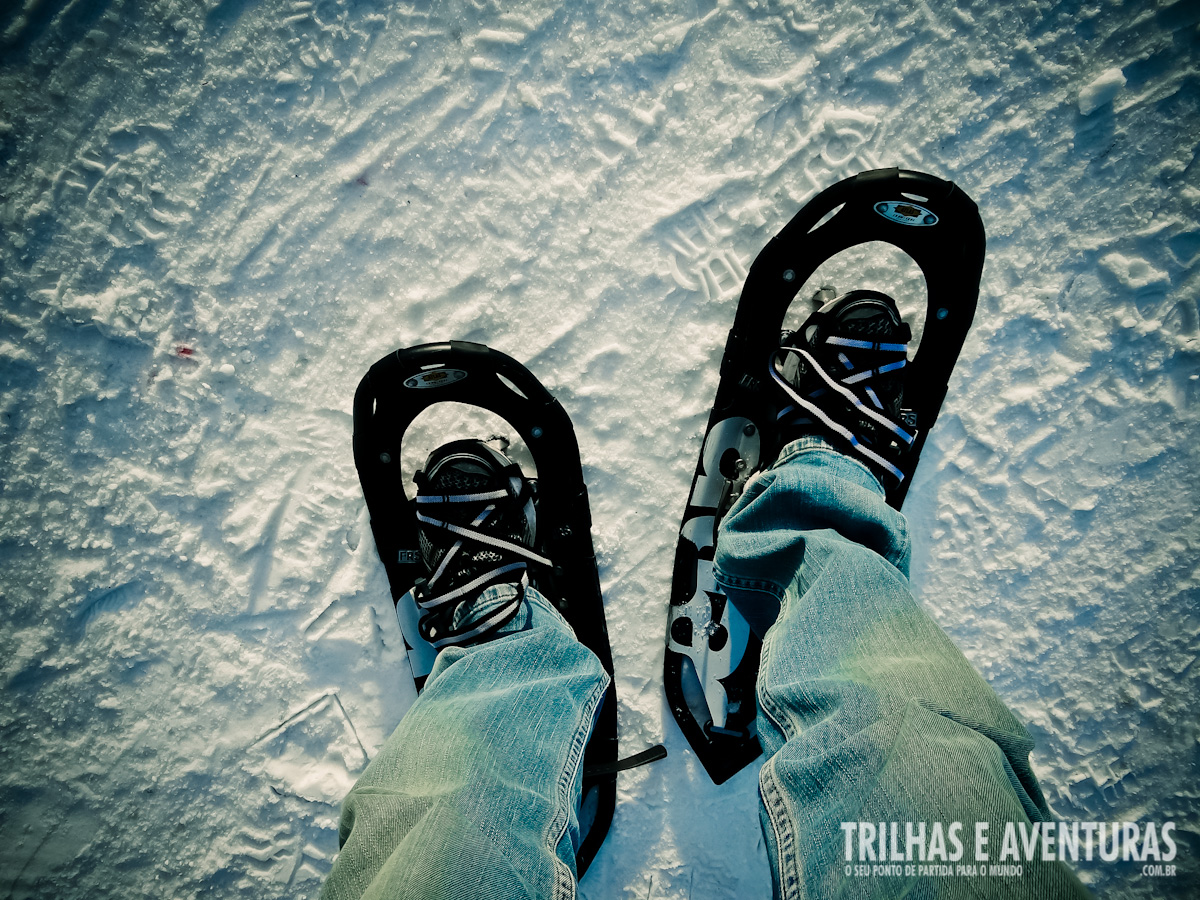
(599, 770)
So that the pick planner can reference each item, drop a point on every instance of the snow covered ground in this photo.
(216, 216)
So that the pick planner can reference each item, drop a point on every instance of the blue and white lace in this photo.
(438, 606)
(838, 407)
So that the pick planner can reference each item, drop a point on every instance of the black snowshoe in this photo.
(557, 556)
(769, 392)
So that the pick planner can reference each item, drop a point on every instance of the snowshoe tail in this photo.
(393, 393)
(712, 656)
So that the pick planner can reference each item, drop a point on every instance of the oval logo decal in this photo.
(905, 212)
(435, 378)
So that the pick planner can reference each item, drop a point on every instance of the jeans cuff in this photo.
(493, 598)
(811, 447)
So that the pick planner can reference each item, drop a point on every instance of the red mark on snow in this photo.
(184, 351)
(362, 179)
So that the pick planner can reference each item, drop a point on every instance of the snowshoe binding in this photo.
(477, 527)
(845, 374)
(478, 520)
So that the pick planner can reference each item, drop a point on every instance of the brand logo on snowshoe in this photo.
(435, 378)
(905, 213)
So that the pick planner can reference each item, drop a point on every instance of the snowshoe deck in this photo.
(712, 657)
(393, 393)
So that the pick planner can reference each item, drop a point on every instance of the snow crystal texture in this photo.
(217, 215)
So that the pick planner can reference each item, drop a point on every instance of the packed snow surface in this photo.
(216, 216)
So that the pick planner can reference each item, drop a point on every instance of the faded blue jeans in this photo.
(476, 793)
(867, 713)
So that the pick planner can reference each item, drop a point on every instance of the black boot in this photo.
(477, 527)
(843, 372)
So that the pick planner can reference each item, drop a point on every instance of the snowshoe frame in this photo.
(396, 390)
(708, 641)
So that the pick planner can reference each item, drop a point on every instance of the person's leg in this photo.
(867, 711)
(477, 792)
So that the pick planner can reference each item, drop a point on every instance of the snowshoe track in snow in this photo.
(216, 215)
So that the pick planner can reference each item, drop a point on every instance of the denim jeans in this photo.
(867, 713)
(476, 793)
